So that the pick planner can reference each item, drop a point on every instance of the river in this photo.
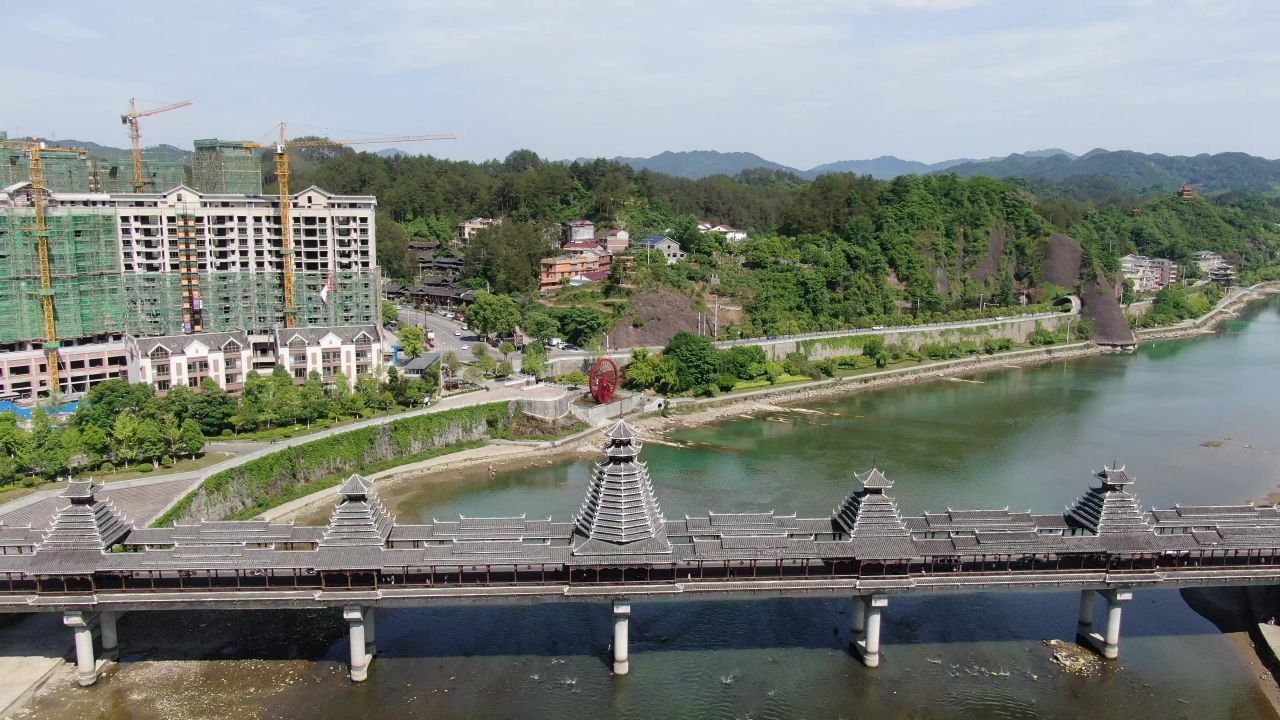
(1193, 419)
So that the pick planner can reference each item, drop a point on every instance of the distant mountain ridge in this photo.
(1140, 171)
(164, 153)
(694, 164)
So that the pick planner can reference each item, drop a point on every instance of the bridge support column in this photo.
(86, 665)
(371, 631)
(621, 632)
(360, 658)
(858, 619)
(107, 623)
(1084, 625)
(1108, 645)
(868, 645)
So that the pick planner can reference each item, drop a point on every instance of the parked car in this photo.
(877, 327)
(457, 333)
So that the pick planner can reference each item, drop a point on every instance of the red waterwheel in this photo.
(604, 380)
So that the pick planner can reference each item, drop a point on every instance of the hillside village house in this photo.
(670, 249)
(578, 247)
(1148, 274)
(553, 271)
(615, 241)
(731, 233)
(468, 228)
(1207, 260)
(579, 230)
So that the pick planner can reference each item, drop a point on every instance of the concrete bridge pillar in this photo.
(621, 632)
(107, 623)
(1084, 625)
(360, 657)
(858, 619)
(371, 631)
(868, 645)
(1108, 645)
(86, 665)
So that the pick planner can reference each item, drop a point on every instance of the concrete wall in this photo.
(1015, 329)
(600, 414)
(546, 408)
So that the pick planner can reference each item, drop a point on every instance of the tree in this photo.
(150, 440)
(506, 348)
(192, 439)
(451, 362)
(15, 444)
(212, 407)
(490, 314)
(412, 341)
(582, 324)
(479, 350)
(540, 325)
(108, 400)
(94, 442)
(342, 397)
(504, 369)
(313, 400)
(697, 358)
(390, 313)
(124, 439)
(534, 360)
(367, 391)
(171, 429)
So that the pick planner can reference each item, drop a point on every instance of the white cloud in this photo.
(59, 29)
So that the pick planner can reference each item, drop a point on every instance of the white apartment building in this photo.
(167, 362)
(354, 350)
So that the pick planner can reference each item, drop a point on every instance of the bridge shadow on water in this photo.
(584, 629)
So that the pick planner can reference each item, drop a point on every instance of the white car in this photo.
(457, 333)
(999, 317)
(877, 327)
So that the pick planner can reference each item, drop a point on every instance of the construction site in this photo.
(85, 261)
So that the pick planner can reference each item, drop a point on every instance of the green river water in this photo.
(1024, 438)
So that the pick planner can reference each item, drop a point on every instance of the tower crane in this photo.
(35, 150)
(131, 119)
(282, 178)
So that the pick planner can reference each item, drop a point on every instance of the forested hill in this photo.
(821, 253)
(1139, 171)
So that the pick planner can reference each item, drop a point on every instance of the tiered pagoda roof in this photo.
(868, 512)
(86, 523)
(620, 513)
(359, 519)
(1109, 507)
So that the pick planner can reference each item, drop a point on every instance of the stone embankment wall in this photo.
(1015, 329)
(302, 469)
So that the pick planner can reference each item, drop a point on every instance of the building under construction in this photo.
(174, 262)
(226, 166)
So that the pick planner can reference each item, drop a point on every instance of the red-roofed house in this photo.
(577, 247)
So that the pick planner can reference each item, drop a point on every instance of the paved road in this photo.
(444, 329)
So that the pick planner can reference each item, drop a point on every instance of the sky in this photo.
(797, 82)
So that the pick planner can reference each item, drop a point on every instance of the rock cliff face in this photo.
(1110, 326)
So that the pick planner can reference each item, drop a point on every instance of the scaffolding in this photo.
(116, 176)
(63, 171)
(84, 274)
(153, 303)
(353, 300)
(226, 166)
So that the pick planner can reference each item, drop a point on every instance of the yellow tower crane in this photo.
(131, 119)
(282, 178)
(35, 150)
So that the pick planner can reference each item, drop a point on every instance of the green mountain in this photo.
(702, 163)
(1140, 171)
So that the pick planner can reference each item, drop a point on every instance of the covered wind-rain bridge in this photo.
(93, 563)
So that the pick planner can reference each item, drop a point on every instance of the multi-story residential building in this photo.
(553, 271)
(352, 350)
(173, 360)
(578, 247)
(1207, 260)
(468, 228)
(24, 373)
(579, 230)
(179, 262)
(1148, 274)
(731, 233)
(668, 248)
(615, 241)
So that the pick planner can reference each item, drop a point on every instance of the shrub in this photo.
(144, 467)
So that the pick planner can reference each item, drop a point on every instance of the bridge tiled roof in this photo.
(621, 523)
